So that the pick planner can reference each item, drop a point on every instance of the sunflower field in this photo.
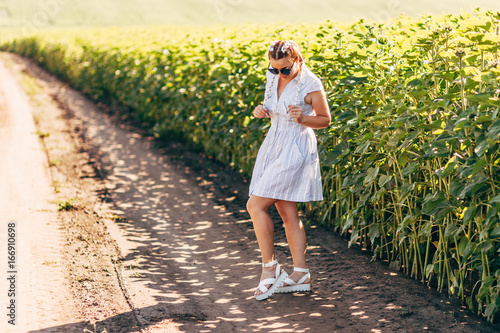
(411, 161)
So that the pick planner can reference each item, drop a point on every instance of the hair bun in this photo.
(284, 48)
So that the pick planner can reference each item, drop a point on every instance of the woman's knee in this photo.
(257, 204)
(253, 205)
(250, 205)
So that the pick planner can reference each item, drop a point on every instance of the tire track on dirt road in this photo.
(189, 253)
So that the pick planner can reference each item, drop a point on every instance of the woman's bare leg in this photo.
(295, 235)
(258, 208)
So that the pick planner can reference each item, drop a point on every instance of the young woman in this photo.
(287, 168)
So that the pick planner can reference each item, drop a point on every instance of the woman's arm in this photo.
(322, 118)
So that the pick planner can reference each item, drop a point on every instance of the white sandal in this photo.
(296, 286)
(275, 282)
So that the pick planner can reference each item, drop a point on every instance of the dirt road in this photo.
(37, 274)
(157, 238)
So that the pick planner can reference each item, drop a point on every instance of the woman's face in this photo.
(285, 63)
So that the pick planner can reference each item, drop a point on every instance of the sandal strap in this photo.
(262, 288)
(290, 282)
(303, 270)
(304, 278)
(271, 281)
(267, 281)
(270, 264)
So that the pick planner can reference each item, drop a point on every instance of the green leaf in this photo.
(456, 188)
(383, 180)
(460, 125)
(345, 116)
(448, 168)
(409, 140)
(348, 223)
(485, 78)
(355, 80)
(402, 226)
(470, 303)
(483, 234)
(494, 131)
(383, 141)
(363, 147)
(495, 233)
(405, 190)
(483, 119)
(374, 232)
(352, 121)
(376, 197)
(469, 212)
(448, 76)
(392, 143)
(474, 185)
(402, 160)
(481, 147)
(335, 155)
(451, 231)
(491, 309)
(437, 149)
(425, 230)
(410, 168)
(432, 201)
(414, 83)
(487, 246)
(495, 199)
(469, 250)
(370, 177)
(491, 216)
(461, 246)
(485, 286)
(429, 270)
(354, 238)
(479, 165)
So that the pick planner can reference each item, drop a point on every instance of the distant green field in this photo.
(46, 13)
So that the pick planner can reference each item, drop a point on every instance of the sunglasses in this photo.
(284, 71)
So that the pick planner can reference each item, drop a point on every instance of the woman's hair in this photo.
(280, 49)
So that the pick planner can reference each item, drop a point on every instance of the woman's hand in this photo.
(261, 112)
(296, 112)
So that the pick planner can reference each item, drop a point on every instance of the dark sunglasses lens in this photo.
(284, 71)
(273, 70)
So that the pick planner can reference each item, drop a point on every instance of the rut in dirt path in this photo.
(190, 254)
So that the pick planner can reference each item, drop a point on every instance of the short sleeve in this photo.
(312, 84)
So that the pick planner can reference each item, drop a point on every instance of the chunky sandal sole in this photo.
(279, 282)
(296, 286)
(293, 289)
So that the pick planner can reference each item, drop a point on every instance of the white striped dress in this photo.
(287, 164)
